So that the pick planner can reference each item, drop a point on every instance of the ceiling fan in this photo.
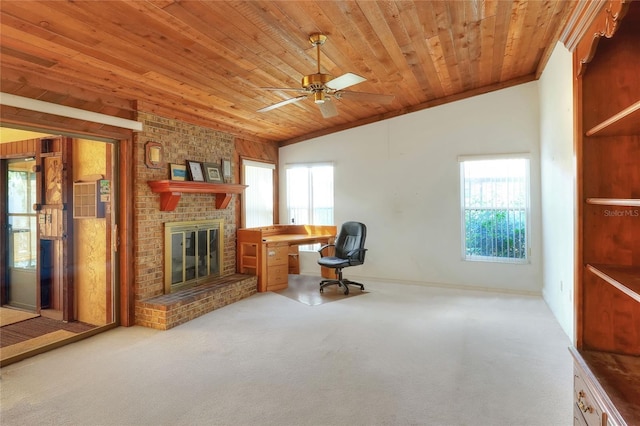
(323, 88)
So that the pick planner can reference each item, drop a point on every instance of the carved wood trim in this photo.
(589, 22)
(578, 22)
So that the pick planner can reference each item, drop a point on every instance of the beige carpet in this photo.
(399, 355)
(12, 316)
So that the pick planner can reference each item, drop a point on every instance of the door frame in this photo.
(4, 233)
(122, 234)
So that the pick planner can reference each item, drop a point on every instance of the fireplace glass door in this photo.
(194, 253)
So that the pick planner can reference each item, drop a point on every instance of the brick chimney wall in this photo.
(180, 142)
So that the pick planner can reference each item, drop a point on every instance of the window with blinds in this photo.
(495, 208)
(258, 196)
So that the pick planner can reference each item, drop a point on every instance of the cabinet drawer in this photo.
(585, 402)
(277, 255)
(278, 274)
(578, 419)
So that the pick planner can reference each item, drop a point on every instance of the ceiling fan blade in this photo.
(344, 81)
(284, 89)
(365, 97)
(282, 103)
(328, 109)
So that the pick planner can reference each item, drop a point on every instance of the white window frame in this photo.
(311, 203)
(258, 195)
(527, 207)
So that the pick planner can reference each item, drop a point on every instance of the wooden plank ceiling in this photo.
(207, 61)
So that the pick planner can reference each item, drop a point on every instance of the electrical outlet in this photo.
(561, 286)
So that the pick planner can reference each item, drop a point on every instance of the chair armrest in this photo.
(326, 246)
(355, 253)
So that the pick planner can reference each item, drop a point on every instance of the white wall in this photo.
(401, 178)
(558, 188)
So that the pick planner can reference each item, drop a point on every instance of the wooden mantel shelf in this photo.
(171, 190)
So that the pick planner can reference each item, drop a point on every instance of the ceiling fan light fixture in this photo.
(318, 97)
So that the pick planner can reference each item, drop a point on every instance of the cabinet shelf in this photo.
(624, 278)
(171, 190)
(626, 122)
(625, 202)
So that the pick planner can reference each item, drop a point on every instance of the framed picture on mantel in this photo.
(212, 173)
(177, 172)
(195, 171)
(226, 169)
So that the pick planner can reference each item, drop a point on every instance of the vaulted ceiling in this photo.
(209, 61)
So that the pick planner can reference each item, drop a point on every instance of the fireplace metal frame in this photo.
(190, 261)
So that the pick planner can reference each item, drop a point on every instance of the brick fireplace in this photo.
(154, 305)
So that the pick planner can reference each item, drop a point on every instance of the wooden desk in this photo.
(264, 251)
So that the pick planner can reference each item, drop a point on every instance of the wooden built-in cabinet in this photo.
(607, 288)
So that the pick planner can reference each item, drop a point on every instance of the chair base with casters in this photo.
(340, 282)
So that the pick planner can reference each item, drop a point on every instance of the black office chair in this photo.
(349, 251)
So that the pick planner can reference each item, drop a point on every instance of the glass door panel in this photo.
(22, 235)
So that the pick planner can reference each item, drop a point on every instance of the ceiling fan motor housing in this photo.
(315, 82)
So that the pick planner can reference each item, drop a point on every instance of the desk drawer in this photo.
(585, 402)
(278, 274)
(277, 287)
(578, 419)
(277, 254)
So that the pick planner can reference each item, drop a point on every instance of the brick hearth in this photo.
(169, 310)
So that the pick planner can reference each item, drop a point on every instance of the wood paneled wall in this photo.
(18, 149)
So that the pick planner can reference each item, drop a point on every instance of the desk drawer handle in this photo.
(585, 408)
